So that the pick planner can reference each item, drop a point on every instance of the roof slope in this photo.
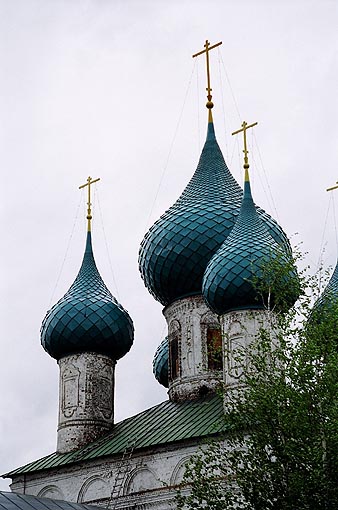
(13, 501)
(165, 423)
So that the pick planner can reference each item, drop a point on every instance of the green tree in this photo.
(280, 450)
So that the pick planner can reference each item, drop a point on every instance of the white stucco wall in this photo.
(86, 399)
(191, 316)
(150, 480)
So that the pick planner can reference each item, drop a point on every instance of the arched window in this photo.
(214, 347)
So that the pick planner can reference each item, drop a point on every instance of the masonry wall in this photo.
(150, 480)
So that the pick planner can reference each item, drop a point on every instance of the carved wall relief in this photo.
(100, 390)
(70, 390)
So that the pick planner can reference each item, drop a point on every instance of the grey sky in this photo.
(97, 88)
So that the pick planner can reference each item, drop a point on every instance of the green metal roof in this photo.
(166, 423)
(13, 501)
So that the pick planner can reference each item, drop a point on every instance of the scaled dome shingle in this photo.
(160, 363)
(325, 309)
(248, 256)
(87, 318)
(176, 250)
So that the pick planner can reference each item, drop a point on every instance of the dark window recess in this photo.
(214, 346)
(174, 364)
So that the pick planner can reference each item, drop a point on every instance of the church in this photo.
(197, 260)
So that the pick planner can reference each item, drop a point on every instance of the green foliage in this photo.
(281, 451)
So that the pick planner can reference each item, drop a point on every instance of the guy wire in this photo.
(67, 250)
(171, 147)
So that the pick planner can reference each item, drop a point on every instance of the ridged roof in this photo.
(228, 282)
(13, 501)
(160, 363)
(177, 248)
(164, 424)
(88, 318)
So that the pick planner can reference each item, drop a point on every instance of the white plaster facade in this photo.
(86, 399)
(239, 329)
(189, 320)
(150, 480)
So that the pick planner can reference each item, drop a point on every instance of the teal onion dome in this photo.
(327, 303)
(87, 318)
(235, 276)
(176, 250)
(160, 363)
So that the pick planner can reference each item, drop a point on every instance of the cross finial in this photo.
(89, 182)
(333, 187)
(244, 127)
(207, 47)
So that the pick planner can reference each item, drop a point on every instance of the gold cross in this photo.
(245, 126)
(207, 47)
(89, 182)
(333, 187)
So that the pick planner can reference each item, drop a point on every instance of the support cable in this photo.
(171, 147)
(222, 102)
(81, 201)
(266, 179)
(232, 93)
(259, 153)
(198, 109)
(322, 243)
(335, 222)
(96, 196)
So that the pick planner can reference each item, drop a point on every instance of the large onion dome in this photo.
(160, 363)
(176, 250)
(88, 318)
(249, 258)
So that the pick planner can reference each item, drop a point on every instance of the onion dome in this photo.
(248, 259)
(160, 363)
(327, 303)
(88, 318)
(176, 250)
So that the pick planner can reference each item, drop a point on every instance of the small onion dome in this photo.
(160, 363)
(88, 318)
(176, 250)
(327, 304)
(235, 275)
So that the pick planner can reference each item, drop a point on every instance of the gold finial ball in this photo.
(246, 166)
(209, 104)
(89, 217)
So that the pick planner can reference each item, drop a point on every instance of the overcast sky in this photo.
(108, 88)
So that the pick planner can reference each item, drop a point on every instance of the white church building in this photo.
(197, 260)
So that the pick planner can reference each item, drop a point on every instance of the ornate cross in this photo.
(207, 47)
(245, 126)
(89, 182)
(333, 187)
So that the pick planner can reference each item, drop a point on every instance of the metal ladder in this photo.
(122, 470)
